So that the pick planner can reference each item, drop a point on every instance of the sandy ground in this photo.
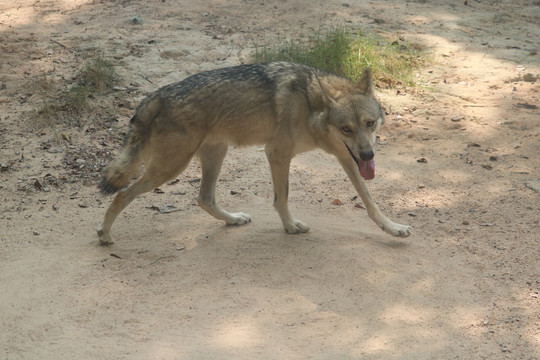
(182, 285)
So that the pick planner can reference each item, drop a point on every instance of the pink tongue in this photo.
(367, 169)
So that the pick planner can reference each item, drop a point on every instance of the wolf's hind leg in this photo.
(211, 157)
(121, 200)
(164, 165)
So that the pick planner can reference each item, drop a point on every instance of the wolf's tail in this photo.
(128, 163)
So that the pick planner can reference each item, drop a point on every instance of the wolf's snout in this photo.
(367, 155)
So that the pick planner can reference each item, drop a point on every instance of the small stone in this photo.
(457, 118)
(35, 232)
(530, 78)
(165, 209)
(466, 222)
(136, 20)
(533, 185)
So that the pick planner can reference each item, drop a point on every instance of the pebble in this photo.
(529, 78)
(136, 20)
(165, 209)
(533, 185)
(35, 232)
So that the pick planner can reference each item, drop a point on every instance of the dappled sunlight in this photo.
(401, 342)
(377, 343)
(183, 285)
(238, 333)
(161, 349)
(394, 174)
(406, 313)
(17, 17)
(47, 12)
(454, 176)
(469, 318)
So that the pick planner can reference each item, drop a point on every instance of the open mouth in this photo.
(366, 168)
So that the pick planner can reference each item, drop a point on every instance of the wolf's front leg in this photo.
(388, 225)
(279, 166)
(373, 210)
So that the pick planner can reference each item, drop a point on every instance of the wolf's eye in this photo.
(370, 123)
(346, 129)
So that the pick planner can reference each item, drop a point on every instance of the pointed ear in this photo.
(328, 95)
(365, 84)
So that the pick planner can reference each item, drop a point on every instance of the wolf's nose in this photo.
(367, 155)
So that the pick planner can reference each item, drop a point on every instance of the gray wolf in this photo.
(287, 107)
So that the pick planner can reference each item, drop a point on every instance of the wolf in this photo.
(287, 107)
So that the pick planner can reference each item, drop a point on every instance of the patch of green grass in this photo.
(60, 103)
(99, 75)
(339, 51)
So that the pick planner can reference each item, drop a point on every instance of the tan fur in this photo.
(289, 108)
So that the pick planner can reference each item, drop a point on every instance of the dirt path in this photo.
(183, 286)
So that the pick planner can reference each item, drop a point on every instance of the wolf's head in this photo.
(353, 117)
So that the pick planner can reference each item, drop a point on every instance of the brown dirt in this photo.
(183, 286)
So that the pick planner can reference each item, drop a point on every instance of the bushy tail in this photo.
(128, 163)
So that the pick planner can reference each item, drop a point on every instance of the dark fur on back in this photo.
(289, 108)
(250, 88)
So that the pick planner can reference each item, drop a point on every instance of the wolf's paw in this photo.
(104, 239)
(296, 227)
(238, 218)
(397, 230)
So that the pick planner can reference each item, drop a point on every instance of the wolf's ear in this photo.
(365, 84)
(328, 95)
